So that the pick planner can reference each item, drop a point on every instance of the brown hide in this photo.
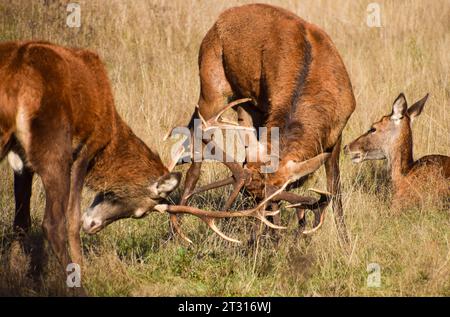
(57, 114)
(289, 67)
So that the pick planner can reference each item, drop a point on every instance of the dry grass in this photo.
(150, 49)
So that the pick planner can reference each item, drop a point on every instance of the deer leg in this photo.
(215, 90)
(57, 190)
(276, 220)
(300, 212)
(241, 177)
(334, 187)
(79, 170)
(192, 176)
(50, 155)
(56, 182)
(23, 182)
(238, 179)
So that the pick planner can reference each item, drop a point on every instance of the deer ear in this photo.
(399, 107)
(165, 185)
(299, 169)
(416, 109)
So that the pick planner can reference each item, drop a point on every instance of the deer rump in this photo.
(281, 72)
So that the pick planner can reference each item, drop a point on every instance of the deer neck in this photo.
(400, 157)
(125, 165)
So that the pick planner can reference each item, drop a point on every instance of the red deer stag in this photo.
(58, 120)
(391, 138)
(297, 81)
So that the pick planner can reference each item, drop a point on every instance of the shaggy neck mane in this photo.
(126, 166)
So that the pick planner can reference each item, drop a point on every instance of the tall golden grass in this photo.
(150, 49)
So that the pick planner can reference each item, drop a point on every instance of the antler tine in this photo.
(230, 105)
(212, 225)
(229, 122)
(275, 193)
(272, 213)
(323, 193)
(205, 123)
(318, 207)
(224, 182)
(227, 126)
(264, 220)
(324, 196)
(174, 160)
(322, 218)
(214, 123)
(168, 134)
(174, 221)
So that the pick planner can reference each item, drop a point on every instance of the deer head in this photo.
(128, 202)
(391, 133)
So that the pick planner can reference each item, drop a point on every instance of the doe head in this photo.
(388, 134)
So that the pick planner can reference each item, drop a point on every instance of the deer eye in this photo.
(372, 130)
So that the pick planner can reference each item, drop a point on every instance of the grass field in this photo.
(150, 49)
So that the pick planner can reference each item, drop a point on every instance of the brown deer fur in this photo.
(293, 72)
(58, 119)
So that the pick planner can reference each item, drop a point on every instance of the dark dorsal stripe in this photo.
(300, 81)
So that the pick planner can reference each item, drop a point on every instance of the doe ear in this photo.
(165, 185)
(416, 109)
(399, 107)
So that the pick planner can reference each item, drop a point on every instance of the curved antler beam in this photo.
(209, 216)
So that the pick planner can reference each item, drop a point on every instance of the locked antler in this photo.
(241, 176)
(209, 217)
(301, 203)
(258, 212)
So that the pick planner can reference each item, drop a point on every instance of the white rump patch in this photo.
(15, 162)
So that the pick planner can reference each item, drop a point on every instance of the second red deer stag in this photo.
(391, 138)
(296, 80)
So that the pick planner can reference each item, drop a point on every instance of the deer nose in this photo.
(90, 224)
